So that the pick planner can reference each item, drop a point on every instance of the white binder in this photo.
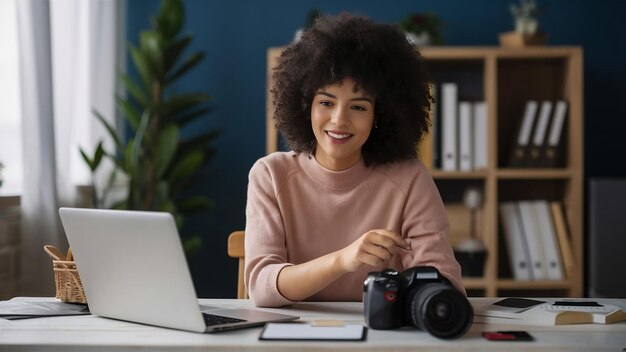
(531, 233)
(538, 140)
(466, 155)
(480, 135)
(553, 263)
(449, 120)
(515, 242)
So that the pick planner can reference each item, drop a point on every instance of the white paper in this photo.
(299, 331)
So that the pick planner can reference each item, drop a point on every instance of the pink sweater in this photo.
(298, 210)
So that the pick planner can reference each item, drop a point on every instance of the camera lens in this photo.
(440, 309)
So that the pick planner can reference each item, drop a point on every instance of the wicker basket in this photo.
(69, 288)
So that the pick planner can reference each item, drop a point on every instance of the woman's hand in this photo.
(372, 248)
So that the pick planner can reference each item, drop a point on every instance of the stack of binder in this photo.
(537, 241)
(458, 137)
(538, 139)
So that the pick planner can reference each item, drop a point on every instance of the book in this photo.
(480, 135)
(515, 242)
(436, 125)
(519, 151)
(548, 238)
(449, 120)
(425, 150)
(537, 143)
(548, 312)
(27, 308)
(552, 155)
(466, 155)
(565, 246)
(531, 233)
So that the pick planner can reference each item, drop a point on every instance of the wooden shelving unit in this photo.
(506, 79)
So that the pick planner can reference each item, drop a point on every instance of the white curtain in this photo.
(68, 67)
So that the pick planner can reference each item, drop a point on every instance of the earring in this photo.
(375, 124)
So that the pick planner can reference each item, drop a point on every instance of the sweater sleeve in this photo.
(266, 252)
(426, 227)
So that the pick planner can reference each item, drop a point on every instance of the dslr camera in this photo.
(419, 297)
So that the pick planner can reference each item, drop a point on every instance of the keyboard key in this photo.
(211, 319)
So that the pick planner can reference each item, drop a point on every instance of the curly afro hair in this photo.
(381, 62)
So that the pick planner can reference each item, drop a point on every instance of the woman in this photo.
(352, 100)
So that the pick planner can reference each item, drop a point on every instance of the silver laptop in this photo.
(133, 268)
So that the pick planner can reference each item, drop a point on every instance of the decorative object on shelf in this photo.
(1, 167)
(423, 29)
(69, 288)
(160, 165)
(527, 31)
(310, 20)
(472, 252)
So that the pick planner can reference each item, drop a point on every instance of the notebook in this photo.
(133, 268)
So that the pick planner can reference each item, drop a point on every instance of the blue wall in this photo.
(235, 35)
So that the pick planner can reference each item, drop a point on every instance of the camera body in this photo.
(419, 297)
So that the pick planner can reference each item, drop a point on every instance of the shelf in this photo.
(533, 285)
(534, 173)
(474, 283)
(458, 175)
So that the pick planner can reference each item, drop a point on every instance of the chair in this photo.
(236, 250)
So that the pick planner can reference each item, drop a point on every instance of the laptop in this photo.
(133, 268)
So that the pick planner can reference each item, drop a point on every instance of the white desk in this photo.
(81, 333)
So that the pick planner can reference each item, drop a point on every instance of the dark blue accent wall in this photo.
(235, 35)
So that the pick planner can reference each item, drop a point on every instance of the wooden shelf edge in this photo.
(533, 285)
(534, 173)
(440, 174)
(474, 283)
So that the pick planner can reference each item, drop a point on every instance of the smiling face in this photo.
(341, 117)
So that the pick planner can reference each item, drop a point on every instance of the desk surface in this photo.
(80, 333)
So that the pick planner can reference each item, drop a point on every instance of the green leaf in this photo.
(190, 117)
(152, 50)
(171, 17)
(128, 111)
(112, 178)
(197, 142)
(109, 128)
(178, 103)
(166, 206)
(130, 162)
(134, 90)
(168, 143)
(186, 167)
(142, 65)
(192, 245)
(187, 65)
(174, 50)
(87, 159)
(98, 157)
(121, 205)
(95, 162)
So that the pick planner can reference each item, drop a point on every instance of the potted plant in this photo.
(159, 163)
(423, 29)
(526, 22)
(311, 17)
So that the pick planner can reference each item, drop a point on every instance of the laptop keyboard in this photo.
(211, 319)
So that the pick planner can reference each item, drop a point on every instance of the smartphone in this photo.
(507, 336)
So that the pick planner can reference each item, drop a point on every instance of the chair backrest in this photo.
(236, 250)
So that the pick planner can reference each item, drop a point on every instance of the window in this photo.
(10, 121)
